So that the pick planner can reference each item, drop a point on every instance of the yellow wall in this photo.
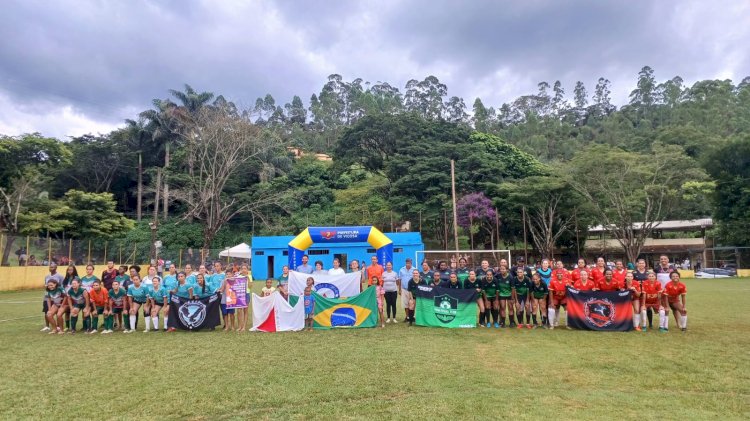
(32, 277)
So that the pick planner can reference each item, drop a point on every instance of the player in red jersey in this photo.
(635, 298)
(576, 273)
(674, 298)
(651, 290)
(597, 273)
(619, 273)
(558, 291)
(584, 284)
(609, 283)
(560, 268)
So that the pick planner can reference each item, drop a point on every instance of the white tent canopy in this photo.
(240, 251)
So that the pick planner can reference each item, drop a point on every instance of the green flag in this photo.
(360, 310)
(446, 307)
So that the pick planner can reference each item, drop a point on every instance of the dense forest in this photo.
(211, 174)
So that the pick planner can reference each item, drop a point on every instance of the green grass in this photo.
(396, 372)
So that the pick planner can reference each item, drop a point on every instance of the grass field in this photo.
(396, 372)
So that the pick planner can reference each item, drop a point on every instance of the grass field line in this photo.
(18, 318)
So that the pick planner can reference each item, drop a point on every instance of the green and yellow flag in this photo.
(360, 310)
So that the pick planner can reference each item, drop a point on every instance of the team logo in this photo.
(327, 290)
(327, 235)
(600, 312)
(446, 308)
(192, 314)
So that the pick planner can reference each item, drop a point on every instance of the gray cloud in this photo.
(106, 60)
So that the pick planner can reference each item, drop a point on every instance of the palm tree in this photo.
(138, 137)
(163, 125)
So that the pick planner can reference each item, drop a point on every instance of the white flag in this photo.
(331, 286)
(274, 314)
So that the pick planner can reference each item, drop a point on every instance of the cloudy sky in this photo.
(74, 67)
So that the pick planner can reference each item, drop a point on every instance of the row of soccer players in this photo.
(120, 305)
(502, 294)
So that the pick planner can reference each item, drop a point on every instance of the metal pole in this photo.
(455, 211)
(525, 244)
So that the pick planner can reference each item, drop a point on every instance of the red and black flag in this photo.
(597, 310)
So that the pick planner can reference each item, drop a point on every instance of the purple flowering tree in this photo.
(475, 214)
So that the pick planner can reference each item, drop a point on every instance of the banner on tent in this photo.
(597, 310)
(360, 310)
(329, 286)
(237, 292)
(274, 314)
(194, 314)
(446, 307)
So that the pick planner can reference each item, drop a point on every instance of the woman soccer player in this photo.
(558, 292)
(116, 308)
(463, 270)
(98, 297)
(505, 296)
(88, 281)
(521, 294)
(635, 298)
(413, 287)
(651, 289)
(200, 289)
(148, 283)
(228, 313)
(137, 297)
(55, 306)
(473, 283)
(489, 287)
(78, 301)
(575, 275)
(169, 283)
(539, 293)
(545, 272)
(597, 273)
(584, 283)
(70, 273)
(674, 296)
(609, 283)
(619, 273)
(158, 298)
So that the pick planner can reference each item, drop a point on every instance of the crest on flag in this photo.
(600, 312)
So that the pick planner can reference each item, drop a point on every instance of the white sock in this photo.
(683, 321)
(557, 318)
(636, 319)
(551, 316)
(643, 317)
(662, 316)
(132, 322)
(147, 320)
(155, 321)
(166, 325)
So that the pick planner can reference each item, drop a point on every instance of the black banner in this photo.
(597, 310)
(194, 314)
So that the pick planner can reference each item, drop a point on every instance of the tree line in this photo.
(196, 164)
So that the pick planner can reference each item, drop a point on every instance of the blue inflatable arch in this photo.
(382, 244)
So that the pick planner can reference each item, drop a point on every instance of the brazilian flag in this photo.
(360, 310)
(446, 307)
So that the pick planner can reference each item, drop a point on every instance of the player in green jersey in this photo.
(473, 283)
(462, 271)
(490, 287)
(78, 301)
(539, 293)
(56, 304)
(158, 297)
(137, 297)
(504, 282)
(521, 288)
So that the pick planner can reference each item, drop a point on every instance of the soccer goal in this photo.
(473, 257)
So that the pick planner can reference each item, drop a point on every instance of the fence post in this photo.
(89, 258)
(70, 250)
(28, 251)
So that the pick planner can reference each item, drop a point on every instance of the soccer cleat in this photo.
(127, 331)
(387, 320)
(551, 327)
(519, 326)
(93, 331)
(489, 324)
(51, 332)
(497, 325)
(644, 329)
(66, 329)
(394, 320)
(45, 329)
(60, 332)
(684, 329)
(662, 330)
(528, 327)
(171, 329)
(146, 330)
(638, 328)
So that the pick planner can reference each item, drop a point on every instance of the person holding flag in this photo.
(608, 284)
(413, 286)
(635, 298)
(404, 275)
(584, 283)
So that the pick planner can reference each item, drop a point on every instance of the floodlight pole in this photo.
(455, 212)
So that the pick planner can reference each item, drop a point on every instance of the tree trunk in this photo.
(140, 186)
(165, 206)
(10, 239)
(156, 196)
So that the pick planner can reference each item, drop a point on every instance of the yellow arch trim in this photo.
(377, 239)
(302, 241)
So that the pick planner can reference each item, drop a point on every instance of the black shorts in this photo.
(79, 306)
(522, 298)
(141, 303)
(45, 306)
(116, 310)
(504, 298)
(100, 310)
